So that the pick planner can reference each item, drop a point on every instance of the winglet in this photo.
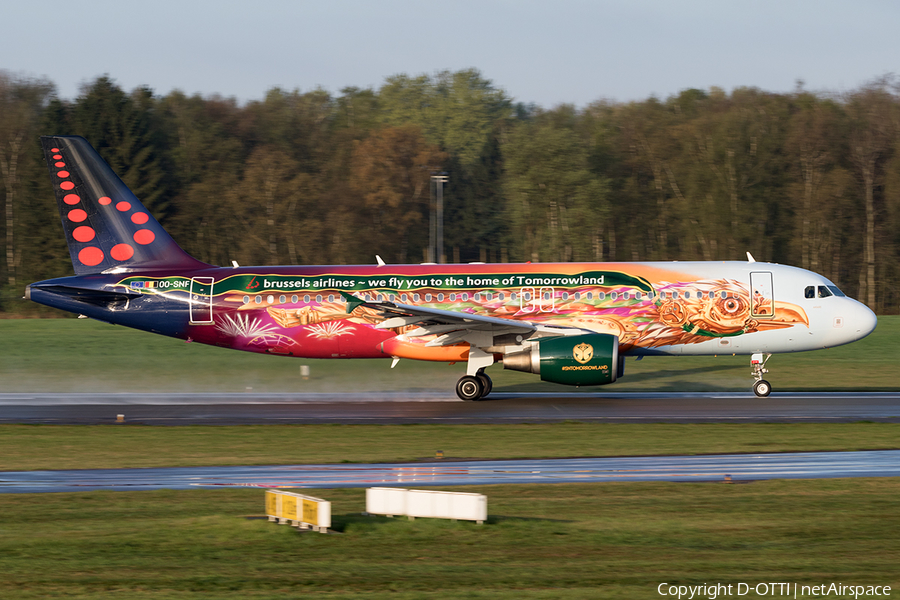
(750, 258)
(352, 302)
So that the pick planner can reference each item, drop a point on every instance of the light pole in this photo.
(436, 243)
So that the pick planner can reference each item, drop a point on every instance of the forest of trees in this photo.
(807, 179)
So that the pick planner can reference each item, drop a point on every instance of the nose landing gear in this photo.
(761, 387)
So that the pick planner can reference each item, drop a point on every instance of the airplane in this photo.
(569, 323)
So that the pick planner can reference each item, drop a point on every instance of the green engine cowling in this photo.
(589, 359)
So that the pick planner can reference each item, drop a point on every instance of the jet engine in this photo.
(589, 359)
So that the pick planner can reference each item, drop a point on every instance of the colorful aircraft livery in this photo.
(569, 323)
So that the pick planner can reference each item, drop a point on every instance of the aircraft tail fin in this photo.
(106, 226)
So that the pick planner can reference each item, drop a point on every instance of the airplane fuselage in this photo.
(699, 308)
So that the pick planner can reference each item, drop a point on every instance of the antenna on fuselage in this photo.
(750, 258)
(381, 263)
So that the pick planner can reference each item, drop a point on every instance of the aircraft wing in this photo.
(452, 327)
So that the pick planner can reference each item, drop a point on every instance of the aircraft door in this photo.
(200, 305)
(762, 298)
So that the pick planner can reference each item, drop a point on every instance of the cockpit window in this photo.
(824, 292)
(837, 292)
(809, 292)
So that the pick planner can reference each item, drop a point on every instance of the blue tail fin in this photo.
(106, 226)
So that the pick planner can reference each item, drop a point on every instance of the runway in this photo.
(438, 407)
(740, 468)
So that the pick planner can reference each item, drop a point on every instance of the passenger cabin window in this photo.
(404, 298)
(824, 292)
(452, 297)
(723, 295)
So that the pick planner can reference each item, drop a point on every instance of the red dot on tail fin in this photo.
(144, 236)
(57, 156)
(77, 215)
(67, 185)
(104, 200)
(123, 206)
(54, 149)
(121, 252)
(139, 218)
(83, 233)
(72, 199)
(59, 164)
(91, 256)
(63, 174)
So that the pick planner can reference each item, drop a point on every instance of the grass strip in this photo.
(549, 541)
(39, 447)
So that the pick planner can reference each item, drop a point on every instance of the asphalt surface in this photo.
(710, 468)
(438, 407)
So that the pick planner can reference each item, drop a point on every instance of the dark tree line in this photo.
(808, 179)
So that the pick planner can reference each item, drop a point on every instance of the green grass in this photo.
(544, 541)
(30, 447)
(69, 355)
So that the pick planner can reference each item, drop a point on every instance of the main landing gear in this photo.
(474, 387)
(761, 387)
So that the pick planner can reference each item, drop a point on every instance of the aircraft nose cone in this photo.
(864, 321)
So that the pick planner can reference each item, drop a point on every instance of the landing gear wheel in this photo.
(762, 388)
(469, 388)
(486, 382)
